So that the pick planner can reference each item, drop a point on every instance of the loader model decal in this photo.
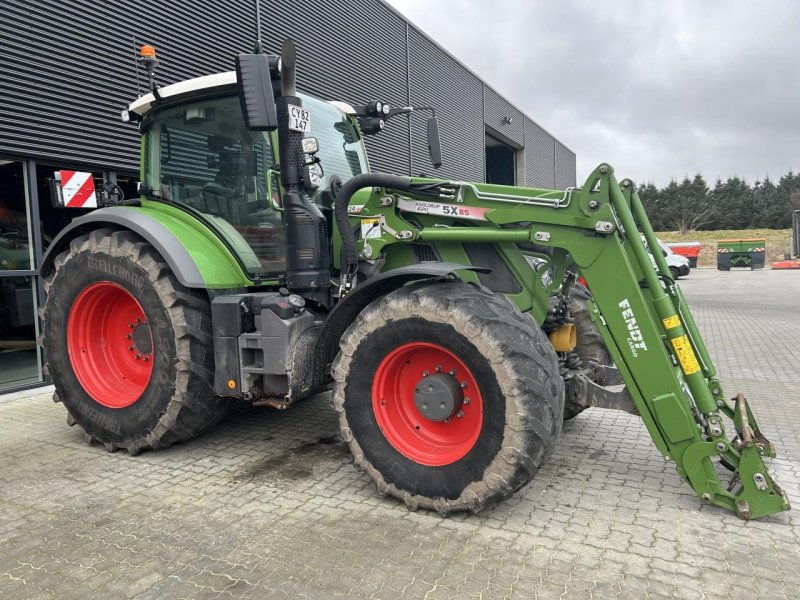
(423, 207)
(635, 341)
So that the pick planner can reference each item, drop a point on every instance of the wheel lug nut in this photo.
(438, 368)
(138, 356)
(130, 325)
(130, 347)
(452, 372)
(447, 420)
(460, 414)
(138, 320)
(463, 385)
(425, 373)
(467, 400)
(147, 359)
(127, 337)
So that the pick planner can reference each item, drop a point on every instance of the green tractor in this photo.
(263, 262)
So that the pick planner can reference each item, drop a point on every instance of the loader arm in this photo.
(639, 310)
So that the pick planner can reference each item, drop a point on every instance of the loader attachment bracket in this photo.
(752, 493)
(587, 393)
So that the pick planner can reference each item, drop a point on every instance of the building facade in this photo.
(68, 69)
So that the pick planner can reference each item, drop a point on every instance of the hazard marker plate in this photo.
(77, 188)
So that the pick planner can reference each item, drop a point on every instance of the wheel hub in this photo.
(142, 341)
(438, 396)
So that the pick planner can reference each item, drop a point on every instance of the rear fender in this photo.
(179, 242)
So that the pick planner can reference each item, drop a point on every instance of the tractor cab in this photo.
(198, 154)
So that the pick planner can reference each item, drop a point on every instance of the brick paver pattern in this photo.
(269, 505)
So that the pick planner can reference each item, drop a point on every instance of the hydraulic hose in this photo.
(353, 185)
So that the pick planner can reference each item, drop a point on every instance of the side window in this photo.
(208, 161)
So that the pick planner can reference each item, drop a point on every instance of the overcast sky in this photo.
(658, 89)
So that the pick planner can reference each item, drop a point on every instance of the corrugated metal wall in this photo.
(68, 70)
(540, 156)
(457, 95)
(496, 112)
(565, 166)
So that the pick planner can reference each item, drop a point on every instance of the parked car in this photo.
(678, 265)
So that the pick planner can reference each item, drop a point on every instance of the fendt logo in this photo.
(635, 341)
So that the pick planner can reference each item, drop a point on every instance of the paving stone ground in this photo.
(269, 505)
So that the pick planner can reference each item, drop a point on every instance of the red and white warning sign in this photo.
(77, 189)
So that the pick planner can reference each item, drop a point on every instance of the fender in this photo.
(345, 312)
(175, 243)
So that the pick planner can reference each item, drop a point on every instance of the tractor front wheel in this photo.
(449, 398)
(127, 345)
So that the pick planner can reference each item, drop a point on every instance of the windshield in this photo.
(200, 154)
(340, 149)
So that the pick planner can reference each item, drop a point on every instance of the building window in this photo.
(20, 356)
(15, 246)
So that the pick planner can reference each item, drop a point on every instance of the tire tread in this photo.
(188, 413)
(527, 372)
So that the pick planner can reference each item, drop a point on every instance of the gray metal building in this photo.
(67, 70)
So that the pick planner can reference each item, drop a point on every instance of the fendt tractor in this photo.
(263, 262)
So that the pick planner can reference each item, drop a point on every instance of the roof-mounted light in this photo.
(147, 51)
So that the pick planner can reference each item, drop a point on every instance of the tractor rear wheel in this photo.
(449, 398)
(590, 345)
(127, 345)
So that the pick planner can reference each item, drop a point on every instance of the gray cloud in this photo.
(659, 90)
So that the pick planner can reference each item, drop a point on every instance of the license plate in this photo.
(299, 119)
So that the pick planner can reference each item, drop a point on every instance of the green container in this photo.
(749, 252)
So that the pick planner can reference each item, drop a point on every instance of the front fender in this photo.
(345, 312)
(193, 252)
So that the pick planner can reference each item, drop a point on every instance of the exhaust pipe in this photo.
(307, 245)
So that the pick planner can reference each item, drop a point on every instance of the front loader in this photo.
(264, 262)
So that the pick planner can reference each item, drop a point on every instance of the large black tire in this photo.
(675, 272)
(510, 362)
(178, 402)
(590, 345)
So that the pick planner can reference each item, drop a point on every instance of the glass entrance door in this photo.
(19, 353)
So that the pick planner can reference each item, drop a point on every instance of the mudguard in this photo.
(169, 245)
(365, 292)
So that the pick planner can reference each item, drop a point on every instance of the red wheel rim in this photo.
(427, 442)
(110, 344)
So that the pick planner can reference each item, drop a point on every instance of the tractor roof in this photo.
(188, 88)
(200, 86)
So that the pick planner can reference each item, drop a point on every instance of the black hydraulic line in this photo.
(352, 185)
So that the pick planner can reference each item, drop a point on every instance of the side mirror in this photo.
(255, 92)
(434, 143)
